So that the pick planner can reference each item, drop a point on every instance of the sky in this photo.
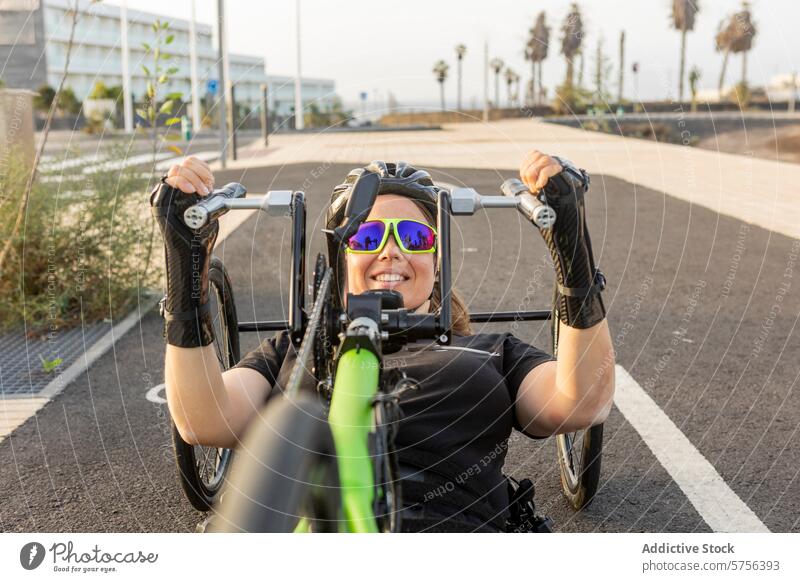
(381, 47)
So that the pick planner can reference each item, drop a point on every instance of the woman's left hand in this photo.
(536, 168)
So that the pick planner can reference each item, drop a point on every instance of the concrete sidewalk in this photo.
(757, 191)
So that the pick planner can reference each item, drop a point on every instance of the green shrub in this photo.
(44, 98)
(82, 254)
(571, 99)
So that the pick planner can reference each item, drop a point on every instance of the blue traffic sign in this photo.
(212, 85)
(363, 95)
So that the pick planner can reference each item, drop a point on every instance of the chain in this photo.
(308, 337)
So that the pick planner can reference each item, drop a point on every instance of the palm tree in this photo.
(536, 52)
(683, 16)
(742, 36)
(511, 78)
(440, 69)
(694, 78)
(461, 50)
(497, 66)
(722, 42)
(572, 31)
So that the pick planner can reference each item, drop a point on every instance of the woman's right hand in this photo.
(192, 176)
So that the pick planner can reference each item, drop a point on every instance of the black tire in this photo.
(579, 453)
(579, 456)
(202, 470)
(286, 470)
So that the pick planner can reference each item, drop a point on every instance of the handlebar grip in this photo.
(529, 205)
(213, 206)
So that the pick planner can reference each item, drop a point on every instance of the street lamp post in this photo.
(298, 83)
(196, 120)
(126, 73)
(223, 130)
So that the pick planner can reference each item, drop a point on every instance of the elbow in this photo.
(599, 410)
(205, 438)
(201, 431)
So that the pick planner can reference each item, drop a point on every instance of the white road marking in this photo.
(154, 396)
(127, 162)
(13, 412)
(714, 500)
(207, 156)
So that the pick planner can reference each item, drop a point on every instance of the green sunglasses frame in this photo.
(391, 224)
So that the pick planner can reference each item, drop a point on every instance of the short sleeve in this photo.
(519, 358)
(268, 357)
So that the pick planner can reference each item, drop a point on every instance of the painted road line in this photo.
(154, 394)
(714, 500)
(13, 412)
(207, 156)
(127, 162)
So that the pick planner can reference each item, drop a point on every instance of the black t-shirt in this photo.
(456, 425)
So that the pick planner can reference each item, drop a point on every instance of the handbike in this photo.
(321, 458)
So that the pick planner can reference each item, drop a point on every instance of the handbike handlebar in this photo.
(232, 197)
(466, 201)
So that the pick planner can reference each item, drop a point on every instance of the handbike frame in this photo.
(357, 380)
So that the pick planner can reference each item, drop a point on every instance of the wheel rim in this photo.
(572, 458)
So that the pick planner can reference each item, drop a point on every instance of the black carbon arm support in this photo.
(579, 282)
(188, 322)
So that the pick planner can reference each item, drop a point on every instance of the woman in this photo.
(454, 433)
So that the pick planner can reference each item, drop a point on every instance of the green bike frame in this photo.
(351, 420)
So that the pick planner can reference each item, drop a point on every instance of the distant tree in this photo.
(440, 69)
(511, 79)
(68, 102)
(722, 43)
(571, 40)
(497, 66)
(461, 50)
(602, 72)
(694, 78)
(683, 17)
(536, 52)
(99, 91)
(743, 31)
(44, 98)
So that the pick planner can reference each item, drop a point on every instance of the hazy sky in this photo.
(392, 46)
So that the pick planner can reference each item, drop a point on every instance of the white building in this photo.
(97, 55)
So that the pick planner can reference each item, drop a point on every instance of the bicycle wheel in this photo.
(580, 452)
(202, 470)
(285, 478)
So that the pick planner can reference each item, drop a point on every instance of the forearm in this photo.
(198, 399)
(585, 370)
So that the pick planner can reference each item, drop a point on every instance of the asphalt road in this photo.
(98, 458)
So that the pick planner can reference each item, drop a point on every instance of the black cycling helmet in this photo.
(395, 178)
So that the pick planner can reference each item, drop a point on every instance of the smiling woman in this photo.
(405, 192)
(453, 432)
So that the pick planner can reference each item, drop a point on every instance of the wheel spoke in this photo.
(203, 469)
